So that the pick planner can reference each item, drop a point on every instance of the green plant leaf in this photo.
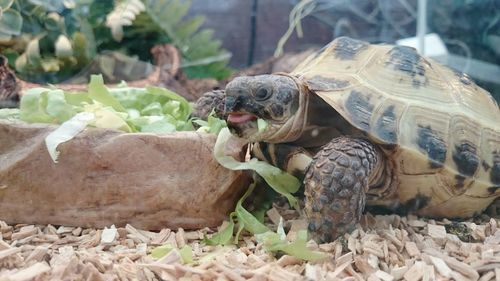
(224, 235)
(66, 132)
(33, 105)
(58, 107)
(197, 47)
(283, 183)
(107, 117)
(261, 125)
(11, 22)
(48, 64)
(5, 4)
(184, 109)
(54, 22)
(189, 27)
(100, 93)
(50, 5)
(186, 253)
(274, 242)
(245, 219)
(161, 251)
(160, 127)
(10, 114)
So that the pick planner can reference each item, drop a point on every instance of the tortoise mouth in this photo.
(242, 124)
(237, 118)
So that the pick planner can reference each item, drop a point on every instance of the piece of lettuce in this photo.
(261, 125)
(213, 124)
(129, 109)
(9, 114)
(67, 131)
(186, 252)
(283, 183)
(98, 92)
(277, 242)
(245, 221)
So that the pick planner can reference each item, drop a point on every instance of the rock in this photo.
(107, 177)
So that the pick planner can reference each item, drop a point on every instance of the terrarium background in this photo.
(249, 32)
(468, 27)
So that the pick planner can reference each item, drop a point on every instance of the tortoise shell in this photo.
(439, 129)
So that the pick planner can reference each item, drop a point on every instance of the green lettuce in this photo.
(282, 182)
(67, 131)
(129, 109)
(186, 252)
(277, 242)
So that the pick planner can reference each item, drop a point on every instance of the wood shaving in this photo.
(383, 248)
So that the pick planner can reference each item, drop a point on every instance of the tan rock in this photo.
(106, 177)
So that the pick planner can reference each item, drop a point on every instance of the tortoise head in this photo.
(274, 98)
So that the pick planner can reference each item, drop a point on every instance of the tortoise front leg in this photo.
(293, 159)
(336, 183)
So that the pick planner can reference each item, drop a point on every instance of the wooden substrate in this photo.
(382, 248)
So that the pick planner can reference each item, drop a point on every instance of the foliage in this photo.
(150, 109)
(51, 41)
(281, 182)
(10, 21)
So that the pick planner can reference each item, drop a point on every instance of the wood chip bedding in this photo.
(383, 248)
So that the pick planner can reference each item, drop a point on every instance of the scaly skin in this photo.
(213, 100)
(335, 186)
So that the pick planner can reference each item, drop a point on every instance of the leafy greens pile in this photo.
(150, 109)
(158, 110)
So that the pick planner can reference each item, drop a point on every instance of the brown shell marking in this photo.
(360, 109)
(346, 48)
(495, 169)
(320, 83)
(407, 60)
(386, 126)
(431, 144)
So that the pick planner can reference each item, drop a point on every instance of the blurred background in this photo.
(65, 40)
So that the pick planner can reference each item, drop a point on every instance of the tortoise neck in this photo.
(295, 126)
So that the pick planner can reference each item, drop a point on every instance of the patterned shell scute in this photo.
(400, 98)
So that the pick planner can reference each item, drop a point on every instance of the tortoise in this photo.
(379, 125)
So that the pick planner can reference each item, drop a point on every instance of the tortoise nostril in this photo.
(232, 103)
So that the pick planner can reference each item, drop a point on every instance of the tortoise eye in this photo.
(263, 93)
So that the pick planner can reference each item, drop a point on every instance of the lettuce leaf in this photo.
(67, 131)
(99, 93)
(9, 114)
(186, 252)
(283, 183)
(129, 109)
(275, 242)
